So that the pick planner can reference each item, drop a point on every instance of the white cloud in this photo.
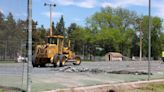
(125, 3)
(65, 2)
(106, 4)
(1, 11)
(79, 3)
(157, 5)
(98, 3)
(88, 4)
(160, 12)
(54, 14)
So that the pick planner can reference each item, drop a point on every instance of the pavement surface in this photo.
(87, 74)
(139, 86)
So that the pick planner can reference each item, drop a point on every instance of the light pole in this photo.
(149, 43)
(50, 5)
(29, 45)
(140, 40)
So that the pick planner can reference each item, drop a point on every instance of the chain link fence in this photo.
(12, 65)
(12, 50)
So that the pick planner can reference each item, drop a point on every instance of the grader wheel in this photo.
(62, 60)
(42, 65)
(56, 60)
(77, 60)
(34, 62)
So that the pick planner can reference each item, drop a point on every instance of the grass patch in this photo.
(10, 89)
(155, 87)
(1, 90)
(1, 62)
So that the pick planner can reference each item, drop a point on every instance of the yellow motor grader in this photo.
(56, 51)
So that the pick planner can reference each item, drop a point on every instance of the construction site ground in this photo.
(87, 74)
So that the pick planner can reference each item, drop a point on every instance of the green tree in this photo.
(10, 27)
(71, 28)
(60, 26)
(156, 44)
(42, 33)
(54, 30)
(114, 28)
(2, 24)
(162, 40)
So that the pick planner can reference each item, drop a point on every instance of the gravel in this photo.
(96, 71)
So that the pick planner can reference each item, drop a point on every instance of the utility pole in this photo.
(149, 43)
(50, 5)
(29, 45)
(140, 40)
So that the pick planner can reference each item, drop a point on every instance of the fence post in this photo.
(5, 50)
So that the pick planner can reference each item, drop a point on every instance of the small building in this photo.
(113, 56)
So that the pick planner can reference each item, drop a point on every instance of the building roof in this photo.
(115, 54)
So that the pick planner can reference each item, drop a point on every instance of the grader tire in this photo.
(77, 60)
(62, 60)
(34, 65)
(33, 62)
(56, 61)
(42, 65)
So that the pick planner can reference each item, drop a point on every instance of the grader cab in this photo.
(56, 51)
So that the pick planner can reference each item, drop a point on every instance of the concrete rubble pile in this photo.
(96, 71)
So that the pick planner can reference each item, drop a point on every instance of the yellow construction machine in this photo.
(56, 51)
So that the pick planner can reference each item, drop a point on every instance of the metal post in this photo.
(149, 44)
(21, 48)
(50, 20)
(140, 41)
(50, 5)
(29, 45)
(6, 50)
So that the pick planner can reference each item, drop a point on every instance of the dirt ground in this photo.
(10, 89)
(151, 87)
(157, 87)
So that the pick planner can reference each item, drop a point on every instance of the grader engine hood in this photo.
(41, 51)
(46, 51)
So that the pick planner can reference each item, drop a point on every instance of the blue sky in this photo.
(76, 10)
(17, 7)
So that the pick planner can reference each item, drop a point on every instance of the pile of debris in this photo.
(96, 71)
(130, 72)
(78, 69)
